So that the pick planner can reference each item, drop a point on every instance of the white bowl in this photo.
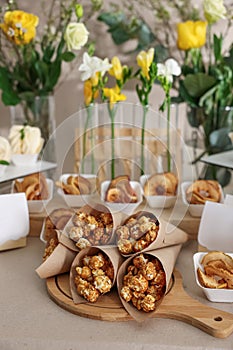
(73, 200)
(24, 159)
(37, 206)
(212, 294)
(127, 208)
(157, 201)
(195, 210)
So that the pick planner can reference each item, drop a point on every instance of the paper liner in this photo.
(110, 251)
(168, 234)
(58, 262)
(94, 209)
(167, 256)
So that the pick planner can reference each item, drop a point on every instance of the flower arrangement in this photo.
(94, 74)
(31, 65)
(190, 36)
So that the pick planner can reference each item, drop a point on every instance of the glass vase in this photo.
(38, 112)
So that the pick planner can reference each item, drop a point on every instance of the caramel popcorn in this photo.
(137, 233)
(51, 245)
(94, 277)
(145, 283)
(97, 230)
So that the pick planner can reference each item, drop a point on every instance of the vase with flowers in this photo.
(198, 37)
(95, 73)
(32, 57)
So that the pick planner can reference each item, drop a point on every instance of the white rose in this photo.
(214, 10)
(5, 149)
(76, 36)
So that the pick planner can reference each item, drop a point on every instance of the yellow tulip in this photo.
(144, 60)
(191, 34)
(114, 95)
(116, 69)
(19, 26)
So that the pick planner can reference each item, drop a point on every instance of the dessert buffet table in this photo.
(31, 320)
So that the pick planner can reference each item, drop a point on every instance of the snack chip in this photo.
(201, 191)
(121, 191)
(34, 186)
(217, 271)
(161, 184)
(76, 185)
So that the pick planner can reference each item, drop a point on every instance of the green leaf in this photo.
(184, 94)
(222, 175)
(198, 84)
(4, 162)
(68, 56)
(10, 98)
(111, 19)
(48, 54)
(218, 48)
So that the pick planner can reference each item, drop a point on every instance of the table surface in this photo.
(33, 321)
(223, 159)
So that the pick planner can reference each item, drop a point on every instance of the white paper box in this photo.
(73, 200)
(213, 294)
(216, 227)
(228, 200)
(157, 201)
(37, 206)
(14, 217)
(195, 210)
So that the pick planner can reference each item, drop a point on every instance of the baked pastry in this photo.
(145, 283)
(76, 185)
(34, 186)
(161, 184)
(201, 191)
(121, 191)
(137, 233)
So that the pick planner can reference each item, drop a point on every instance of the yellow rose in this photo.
(144, 60)
(116, 69)
(114, 95)
(76, 36)
(20, 26)
(214, 10)
(191, 34)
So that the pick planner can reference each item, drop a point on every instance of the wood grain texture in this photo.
(177, 304)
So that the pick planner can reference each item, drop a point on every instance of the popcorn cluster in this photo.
(136, 234)
(94, 277)
(89, 230)
(145, 283)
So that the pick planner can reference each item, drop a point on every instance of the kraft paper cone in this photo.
(168, 234)
(167, 256)
(95, 209)
(58, 262)
(110, 251)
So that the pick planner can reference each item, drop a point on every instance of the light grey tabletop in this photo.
(31, 320)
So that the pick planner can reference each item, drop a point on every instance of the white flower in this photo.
(76, 36)
(168, 69)
(92, 65)
(214, 10)
(5, 149)
(30, 143)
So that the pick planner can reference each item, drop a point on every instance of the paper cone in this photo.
(58, 262)
(110, 251)
(167, 256)
(167, 235)
(95, 209)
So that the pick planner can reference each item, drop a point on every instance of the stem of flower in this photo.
(88, 119)
(145, 109)
(112, 112)
(168, 133)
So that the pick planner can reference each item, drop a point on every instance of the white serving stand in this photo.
(223, 159)
(14, 172)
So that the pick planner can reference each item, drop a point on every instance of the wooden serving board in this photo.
(177, 304)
